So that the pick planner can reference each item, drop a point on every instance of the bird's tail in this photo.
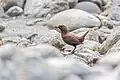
(81, 39)
(85, 34)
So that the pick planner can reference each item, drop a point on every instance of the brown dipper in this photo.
(71, 39)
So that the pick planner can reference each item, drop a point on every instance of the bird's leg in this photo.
(73, 50)
(62, 49)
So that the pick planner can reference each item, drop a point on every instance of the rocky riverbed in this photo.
(31, 48)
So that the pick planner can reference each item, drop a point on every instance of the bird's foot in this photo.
(71, 53)
(62, 49)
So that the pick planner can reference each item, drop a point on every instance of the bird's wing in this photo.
(71, 39)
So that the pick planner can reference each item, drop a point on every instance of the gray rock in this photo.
(33, 22)
(115, 48)
(7, 52)
(88, 7)
(1, 12)
(98, 2)
(106, 7)
(52, 37)
(95, 35)
(8, 74)
(74, 19)
(45, 8)
(92, 35)
(82, 0)
(10, 3)
(38, 71)
(14, 11)
(14, 40)
(2, 28)
(72, 3)
(110, 61)
(43, 51)
(18, 28)
(85, 52)
(89, 52)
(110, 41)
(114, 10)
(114, 15)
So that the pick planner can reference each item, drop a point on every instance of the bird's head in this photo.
(63, 28)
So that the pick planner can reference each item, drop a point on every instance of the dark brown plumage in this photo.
(70, 38)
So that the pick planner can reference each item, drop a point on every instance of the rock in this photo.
(45, 8)
(14, 11)
(18, 41)
(74, 19)
(94, 35)
(7, 52)
(37, 53)
(114, 15)
(71, 77)
(7, 73)
(31, 55)
(52, 37)
(43, 51)
(114, 48)
(88, 7)
(105, 21)
(10, 3)
(1, 12)
(18, 28)
(72, 3)
(82, 0)
(106, 7)
(87, 53)
(70, 65)
(99, 3)
(110, 41)
(2, 28)
(38, 71)
(14, 40)
(114, 10)
(33, 22)
(104, 33)
(107, 63)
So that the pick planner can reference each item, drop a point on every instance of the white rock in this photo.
(88, 7)
(74, 19)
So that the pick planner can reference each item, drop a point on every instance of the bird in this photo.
(71, 39)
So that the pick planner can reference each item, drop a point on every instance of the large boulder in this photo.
(88, 7)
(74, 19)
(43, 8)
